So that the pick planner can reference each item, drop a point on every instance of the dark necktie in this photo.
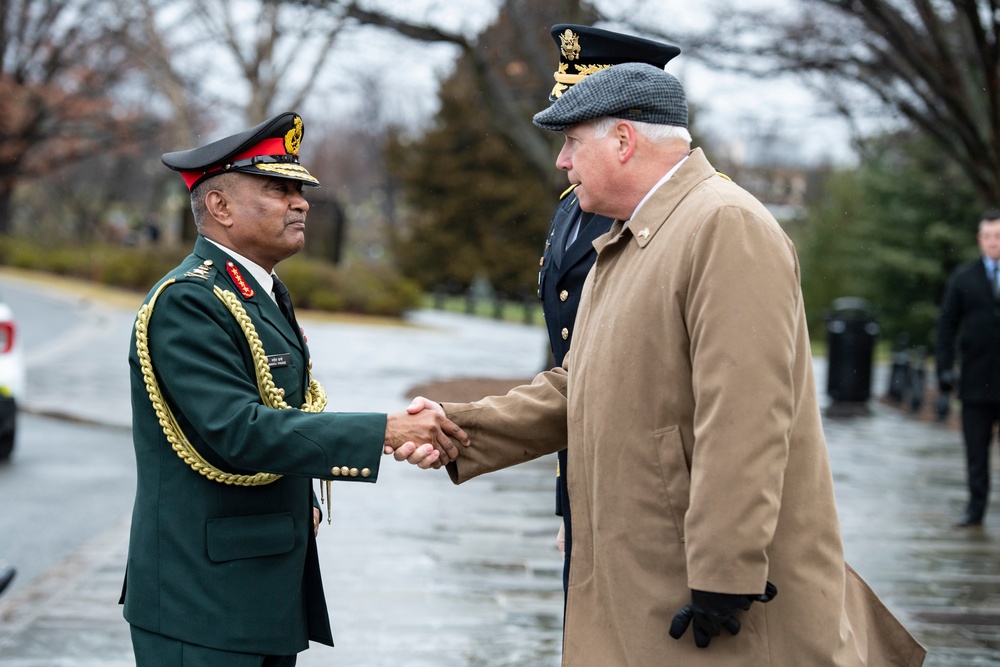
(284, 302)
(574, 229)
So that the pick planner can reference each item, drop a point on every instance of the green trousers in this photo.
(153, 650)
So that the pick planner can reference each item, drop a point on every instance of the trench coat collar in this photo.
(661, 204)
(257, 295)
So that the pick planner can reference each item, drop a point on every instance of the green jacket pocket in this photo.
(233, 538)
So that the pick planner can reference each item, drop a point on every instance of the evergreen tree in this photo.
(480, 210)
(481, 201)
(891, 231)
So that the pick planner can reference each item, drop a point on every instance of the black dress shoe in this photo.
(969, 521)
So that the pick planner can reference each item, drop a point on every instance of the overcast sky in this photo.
(732, 108)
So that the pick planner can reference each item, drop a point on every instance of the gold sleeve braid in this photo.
(272, 396)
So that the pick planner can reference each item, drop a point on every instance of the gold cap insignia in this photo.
(564, 79)
(569, 43)
(294, 137)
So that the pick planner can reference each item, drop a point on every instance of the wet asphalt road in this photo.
(421, 573)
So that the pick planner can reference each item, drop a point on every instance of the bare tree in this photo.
(58, 69)
(267, 53)
(257, 57)
(508, 102)
(279, 49)
(156, 40)
(932, 63)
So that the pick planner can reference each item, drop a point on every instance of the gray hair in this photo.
(222, 183)
(655, 132)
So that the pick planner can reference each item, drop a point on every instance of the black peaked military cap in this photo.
(268, 149)
(584, 50)
(633, 91)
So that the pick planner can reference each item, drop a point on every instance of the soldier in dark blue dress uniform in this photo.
(569, 252)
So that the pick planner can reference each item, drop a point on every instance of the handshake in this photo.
(422, 435)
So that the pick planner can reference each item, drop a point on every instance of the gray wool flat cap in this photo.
(633, 91)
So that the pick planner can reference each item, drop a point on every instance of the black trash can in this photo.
(851, 332)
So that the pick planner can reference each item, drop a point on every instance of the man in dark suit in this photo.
(569, 252)
(970, 315)
(229, 429)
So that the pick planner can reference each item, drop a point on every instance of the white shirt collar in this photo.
(666, 177)
(258, 272)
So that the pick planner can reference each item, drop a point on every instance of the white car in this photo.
(11, 380)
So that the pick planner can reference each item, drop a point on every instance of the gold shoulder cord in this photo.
(269, 393)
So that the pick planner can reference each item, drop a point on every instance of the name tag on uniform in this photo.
(278, 360)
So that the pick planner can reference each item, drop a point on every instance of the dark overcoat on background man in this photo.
(970, 316)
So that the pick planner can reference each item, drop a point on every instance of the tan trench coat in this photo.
(696, 452)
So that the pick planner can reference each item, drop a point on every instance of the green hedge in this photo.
(316, 284)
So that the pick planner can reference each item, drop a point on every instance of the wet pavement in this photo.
(420, 573)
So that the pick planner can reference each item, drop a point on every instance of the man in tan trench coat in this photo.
(698, 470)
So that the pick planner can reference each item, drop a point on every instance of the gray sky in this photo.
(734, 109)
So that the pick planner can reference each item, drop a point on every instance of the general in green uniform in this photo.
(229, 428)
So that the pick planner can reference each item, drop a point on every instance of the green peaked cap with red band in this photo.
(268, 149)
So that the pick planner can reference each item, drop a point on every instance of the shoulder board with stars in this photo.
(237, 277)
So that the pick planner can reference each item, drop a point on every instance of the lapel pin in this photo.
(644, 234)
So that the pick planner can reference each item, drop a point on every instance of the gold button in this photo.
(354, 472)
(335, 472)
(563, 295)
(345, 471)
(365, 472)
(565, 334)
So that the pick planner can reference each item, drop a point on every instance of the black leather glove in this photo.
(946, 381)
(710, 612)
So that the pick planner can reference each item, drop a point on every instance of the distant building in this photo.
(781, 189)
(783, 186)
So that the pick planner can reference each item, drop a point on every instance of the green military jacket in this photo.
(220, 565)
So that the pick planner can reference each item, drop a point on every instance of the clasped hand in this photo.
(709, 612)
(425, 422)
